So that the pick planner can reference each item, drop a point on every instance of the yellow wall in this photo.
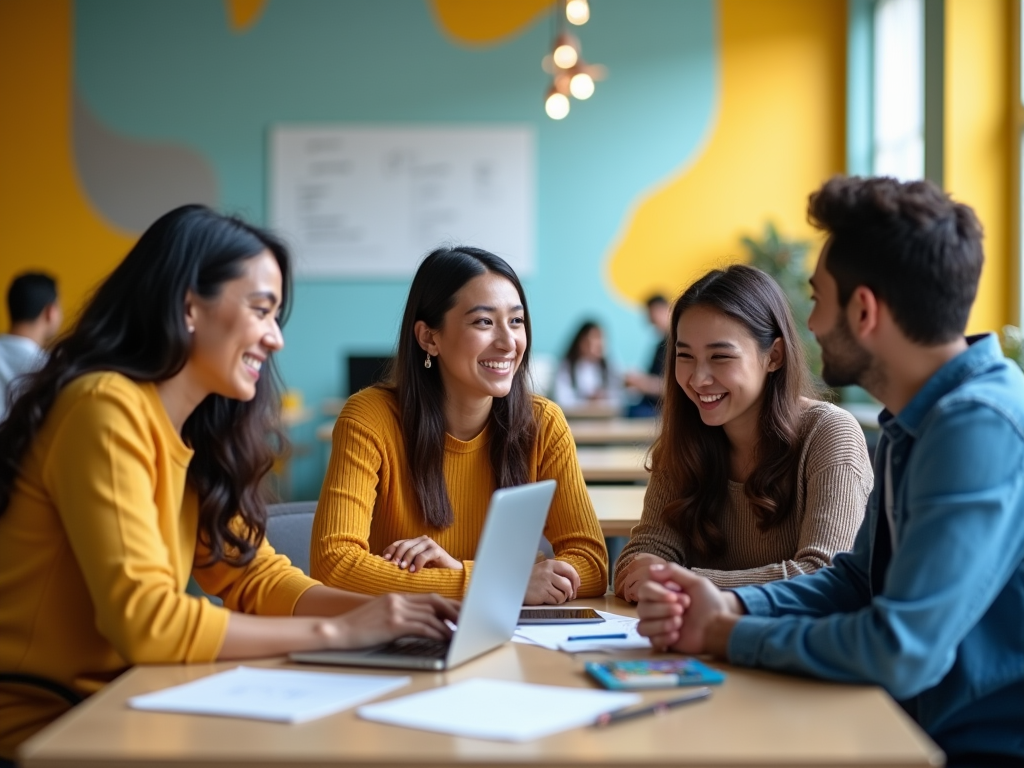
(779, 134)
(977, 152)
(44, 216)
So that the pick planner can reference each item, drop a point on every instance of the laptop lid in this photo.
(501, 573)
(501, 569)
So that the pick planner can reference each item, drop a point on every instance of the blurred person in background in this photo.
(650, 383)
(584, 375)
(36, 316)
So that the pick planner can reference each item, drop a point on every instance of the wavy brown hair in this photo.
(134, 324)
(420, 391)
(695, 456)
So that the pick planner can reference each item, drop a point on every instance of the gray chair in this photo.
(289, 530)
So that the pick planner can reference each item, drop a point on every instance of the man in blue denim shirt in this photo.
(930, 602)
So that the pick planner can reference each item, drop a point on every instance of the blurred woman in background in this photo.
(584, 375)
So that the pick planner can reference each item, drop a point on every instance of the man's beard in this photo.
(843, 360)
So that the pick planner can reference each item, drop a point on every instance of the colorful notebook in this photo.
(629, 674)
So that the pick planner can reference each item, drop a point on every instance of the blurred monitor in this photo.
(365, 370)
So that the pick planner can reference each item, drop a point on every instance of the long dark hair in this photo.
(572, 356)
(696, 456)
(420, 391)
(134, 324)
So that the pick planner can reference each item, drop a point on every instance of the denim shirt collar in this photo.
(982, 351)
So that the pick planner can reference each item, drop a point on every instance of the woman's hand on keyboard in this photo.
(395, 615)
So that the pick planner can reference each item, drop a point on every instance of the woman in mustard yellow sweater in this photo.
(414, 462)
(133, 459)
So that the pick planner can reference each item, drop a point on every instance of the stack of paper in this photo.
(498, 709)
(281, 695)
(556, 636)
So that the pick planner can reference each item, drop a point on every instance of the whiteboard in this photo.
(372, 200)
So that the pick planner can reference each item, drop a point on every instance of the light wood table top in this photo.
(598, 409)
(755, 718)
(613, 464)
(613, 431)
(618, 507)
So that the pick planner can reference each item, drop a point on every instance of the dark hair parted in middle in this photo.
(420, 391)
(914, 247)
(695, 456)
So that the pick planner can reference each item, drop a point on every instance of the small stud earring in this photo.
(191, 329)
(427, 363)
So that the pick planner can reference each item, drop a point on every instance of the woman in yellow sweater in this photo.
(414, 462)
(133, 459)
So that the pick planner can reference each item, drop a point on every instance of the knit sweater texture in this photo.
(834, 479)
(367, 503)
(96, 548)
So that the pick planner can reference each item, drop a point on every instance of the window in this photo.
(898, 86)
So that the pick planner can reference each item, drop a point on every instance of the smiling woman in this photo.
(415, 461)
(752, 479)
(133, 460)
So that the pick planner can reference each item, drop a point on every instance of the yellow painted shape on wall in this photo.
(45, 217)
(243, 14)
(482, 22)
(779, 133)
(977, 142)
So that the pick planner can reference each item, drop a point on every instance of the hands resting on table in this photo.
(551, 581)
(681, 611)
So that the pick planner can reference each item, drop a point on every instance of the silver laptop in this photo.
(490, 610)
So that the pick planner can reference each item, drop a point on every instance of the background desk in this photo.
(613, 464)
(754, 719)
(613, 431)
(618, 507)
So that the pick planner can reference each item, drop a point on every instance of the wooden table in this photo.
(618, 507)
(754, 719)
(613, 431)
(613, 464)
(598, 409)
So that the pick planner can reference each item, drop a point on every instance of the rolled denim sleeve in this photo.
(960, 538)
(843, 587)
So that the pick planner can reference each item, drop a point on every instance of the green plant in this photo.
(1011, 338)
(786, 261)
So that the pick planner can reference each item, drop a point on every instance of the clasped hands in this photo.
(683, 612)
(551, 582)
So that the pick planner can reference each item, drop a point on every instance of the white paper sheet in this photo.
(281, 695)
(556, 636)
(498, 709)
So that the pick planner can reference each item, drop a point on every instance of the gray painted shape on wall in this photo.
(131, 182)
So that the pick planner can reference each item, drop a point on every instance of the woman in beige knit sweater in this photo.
(752, 479)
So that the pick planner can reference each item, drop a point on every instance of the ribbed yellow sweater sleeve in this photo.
(363, 498)
(572, 526)
(367, 503)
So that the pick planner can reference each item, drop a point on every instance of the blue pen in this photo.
(621, 636)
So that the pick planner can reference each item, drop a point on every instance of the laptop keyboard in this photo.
(416, 646)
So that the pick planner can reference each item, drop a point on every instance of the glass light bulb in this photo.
(557, 106)
(565, 56)
(581, 86)
(577, 12)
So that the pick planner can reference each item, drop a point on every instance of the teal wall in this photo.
(173, 71)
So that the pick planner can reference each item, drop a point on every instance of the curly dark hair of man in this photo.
(695, 456)
(420, 391)
(914, 247)
(134, 324)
